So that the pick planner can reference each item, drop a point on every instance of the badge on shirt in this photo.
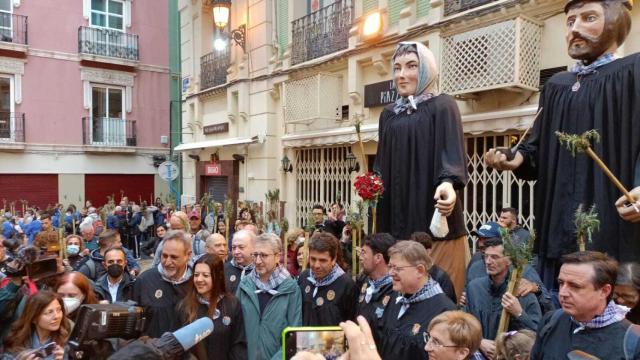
(364, 288)
(379, 312)
(232, 278)
(216, 314)
(331, 295)
(307, 289)
(385, 300)
(319, 301)
(226, 320)
(416, 329)
(158, 294)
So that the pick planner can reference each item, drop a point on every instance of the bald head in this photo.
(242, 247)
(217, 245)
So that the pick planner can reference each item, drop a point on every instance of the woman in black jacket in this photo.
(208, 297)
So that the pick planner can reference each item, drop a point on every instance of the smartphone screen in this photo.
(328, 343)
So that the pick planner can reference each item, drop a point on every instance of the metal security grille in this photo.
(489, 190)
(317, 97)
(502, 55)
(321, 175)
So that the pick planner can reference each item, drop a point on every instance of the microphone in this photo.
(169, 346)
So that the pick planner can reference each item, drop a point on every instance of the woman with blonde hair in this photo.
(515, 345)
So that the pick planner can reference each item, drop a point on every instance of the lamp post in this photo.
(352, 163)
(286, 164)
(221, 10)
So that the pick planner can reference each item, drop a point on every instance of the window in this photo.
(107, 14)
(6, 25)
(7, 123)
(108, 123)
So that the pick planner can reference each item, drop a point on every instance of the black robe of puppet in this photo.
(416, 153)
(608, 101)
(327, 312)
(374, 309)
(403, 338)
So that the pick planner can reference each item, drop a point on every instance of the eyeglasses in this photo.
(260, 255)
(434, 342)
(396, 269)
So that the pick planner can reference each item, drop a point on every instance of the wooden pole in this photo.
(73, 223)
(610, 175)
(581, 243)
(354, 255)
(373, 214)
(62, 243)
(226, 228)
(286, 252)
(305, 251)
(365, 166)
(504, 317)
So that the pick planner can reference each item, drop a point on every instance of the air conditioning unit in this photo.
(164, 140)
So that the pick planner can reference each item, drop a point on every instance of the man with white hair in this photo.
(216, 244)
(89, 237)
(242, 263)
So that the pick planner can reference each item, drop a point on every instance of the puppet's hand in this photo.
(497, 160)
(445, 198)
(629, 212)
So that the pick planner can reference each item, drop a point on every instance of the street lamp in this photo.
(286, 164)
(352, 163)
(372, 27)
(221, 11)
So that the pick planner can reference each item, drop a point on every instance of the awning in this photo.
(494, 121)
(217, 143)
(335, 136)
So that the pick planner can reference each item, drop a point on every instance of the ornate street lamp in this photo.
(221, 10)
(286, 164)
(352, 163)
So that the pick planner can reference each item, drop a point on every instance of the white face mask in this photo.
(71, 304)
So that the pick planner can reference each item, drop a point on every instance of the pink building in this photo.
(84, 100)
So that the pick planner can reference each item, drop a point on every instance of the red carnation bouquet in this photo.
(369, 186)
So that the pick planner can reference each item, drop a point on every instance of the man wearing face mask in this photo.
(599, 92)
(422, 160)
(116, 285)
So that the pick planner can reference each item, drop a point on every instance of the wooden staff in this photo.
(354, 255)
(62, 243)
(365, 166)
(305, 251)
(373, 214)
(226, 228)
(286, 252)
(612, 177)
(73, 222)
(505, 316)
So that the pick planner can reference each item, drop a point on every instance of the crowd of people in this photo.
(417, 292)
(400, 305)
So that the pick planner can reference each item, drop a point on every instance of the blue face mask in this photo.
(73, 249)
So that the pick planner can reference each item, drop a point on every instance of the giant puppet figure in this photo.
(602, 92)
(422, 161)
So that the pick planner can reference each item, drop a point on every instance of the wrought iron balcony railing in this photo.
(13, 28)
(213, 69)
(11, 127)
(105, 131)
(456, 6)
(106, 42)
(322, 32)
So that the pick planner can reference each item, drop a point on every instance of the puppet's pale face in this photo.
(585, 35)
(405, 73)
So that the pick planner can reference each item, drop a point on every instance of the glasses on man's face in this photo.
(263, 256)
(397, 269)
(435, 342)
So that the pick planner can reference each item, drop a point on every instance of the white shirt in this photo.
(113, 289)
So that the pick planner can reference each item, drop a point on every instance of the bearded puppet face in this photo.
(594, 28)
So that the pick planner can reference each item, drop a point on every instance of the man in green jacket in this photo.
(270, 300)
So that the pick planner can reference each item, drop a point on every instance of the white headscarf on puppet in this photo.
(427, 75)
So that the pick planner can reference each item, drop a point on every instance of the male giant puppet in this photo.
(600, 92)
(421, 159)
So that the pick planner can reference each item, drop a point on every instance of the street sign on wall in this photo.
(168, 171)
(212, 169)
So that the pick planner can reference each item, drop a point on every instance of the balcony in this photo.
(313, 102)
(505, 55)
(452, 7)
(108, 132)
(13, 32)
(105, 45)
(213, 69)
(322, 32)
(11, 127)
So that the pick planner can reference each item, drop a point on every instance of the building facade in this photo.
(85, 100)
(308, 73)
